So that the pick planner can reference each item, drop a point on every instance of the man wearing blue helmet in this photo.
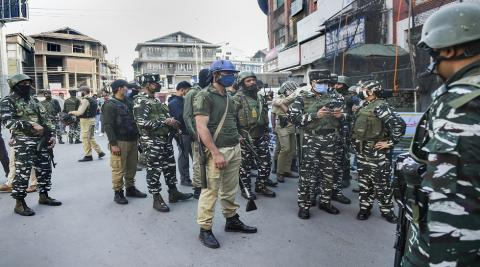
(216, 125)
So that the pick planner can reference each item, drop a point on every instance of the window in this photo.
(227, 58)
(279, 3)
(53, 47)
(279, 36)
(228, 53)
(79, 49)
(11, 51)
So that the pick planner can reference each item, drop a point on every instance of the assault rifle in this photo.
(203, 163)
(251, 203)
(44, 143)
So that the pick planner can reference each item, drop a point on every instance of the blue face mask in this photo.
(321, 88)
(227, 80)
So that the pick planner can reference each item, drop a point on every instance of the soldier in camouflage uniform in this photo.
(252, 119)
(53, 110)
(190, 125)
(313, 113)
(72, 104)
(376, 128)
(28, 122)
(153, 123)
(446, 228)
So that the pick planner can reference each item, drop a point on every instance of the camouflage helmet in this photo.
(245, 74)
(371, 85)
(18, 78)
(319, 75)
(145, 78)
(452, 25)
(288, 86)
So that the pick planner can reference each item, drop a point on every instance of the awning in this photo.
(369, 50)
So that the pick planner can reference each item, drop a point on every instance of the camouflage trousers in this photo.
(264, 166)
(318, 153)
(159, 158)
(338, 162)
(74, 131)
(374, 176)
(26, 157)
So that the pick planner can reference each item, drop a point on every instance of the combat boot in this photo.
(85, 159)
(78, 141)
(21, 208)
(303, 213)
(390, 217)
(233, 224)
(132, 191)
(271, 183)
(329, 208)
(363, 215)
(159, 204)
(120, 198)
(44, 199)
(280, 178)
(341, 198)
(208, 239)
(264, 191)
(196, 192)
(70, 140)
(313, 200)
(274, 167)
(101, 155)
(174, 195)
(60, 141)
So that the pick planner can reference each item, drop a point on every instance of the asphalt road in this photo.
(89, 229)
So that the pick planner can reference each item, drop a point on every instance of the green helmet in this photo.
(452, 25)
(287, 87)
(18, 78)
(245, 74)
(343, 80)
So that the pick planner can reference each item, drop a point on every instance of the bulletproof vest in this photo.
(27, 111)
(71, 104)
(124, 121)
(49, 107)
(312, 104)
(91, 111)
(158, 111)
(367, 125)
(252, 114)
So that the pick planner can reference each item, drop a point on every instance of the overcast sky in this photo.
(121, 24)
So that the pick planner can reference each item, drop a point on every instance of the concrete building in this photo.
(66, 58)
(20, 54)
(176, 57)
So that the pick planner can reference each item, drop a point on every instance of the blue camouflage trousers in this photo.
(159, 158)
(26, 157)
(264, 166)
(317, 167)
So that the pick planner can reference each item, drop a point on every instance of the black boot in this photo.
(60, 141)
(132, 191)
(345, 183)
(313, 200)
(328, 208)
(46, 200)
(363, 215)
(120, 198)
(196, 192)
(159, 204)
(264, 191)
(78, 141)
(174, 195)
(341, 198)
(208, 239)
(274, 167)
(70, 140)
(86, 158)
(303, 213)
(390, 217)
(101, 155)
(233, 224)
(21, 208)
(271, 183)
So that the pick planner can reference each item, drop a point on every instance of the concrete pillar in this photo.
(66, 81)
(76, 81)
(45, 73)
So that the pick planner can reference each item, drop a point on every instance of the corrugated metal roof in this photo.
(369, 50)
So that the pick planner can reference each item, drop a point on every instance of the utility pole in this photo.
(3, 64)
(411, 49)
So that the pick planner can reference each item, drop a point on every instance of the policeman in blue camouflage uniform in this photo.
(446, 228)
(252, 119)
(376, 128)
(153, 123)
(311, 112)
(26, 118)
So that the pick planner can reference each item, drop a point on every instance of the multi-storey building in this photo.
(20, 53)
(66, 58)
(176, 57)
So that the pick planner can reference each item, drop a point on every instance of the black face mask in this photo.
(252, 88)
(23, 91)
(48, 97)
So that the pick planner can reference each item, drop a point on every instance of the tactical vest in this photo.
(158, 111)
(124, 122)
(71, 104)
(27, 112)
(312, 104)
(252, 114)
(367, 125)
(91, 110)
(50, 107)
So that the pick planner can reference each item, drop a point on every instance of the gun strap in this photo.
(222, 121)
